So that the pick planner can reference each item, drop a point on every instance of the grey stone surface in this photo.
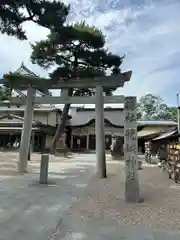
(100, 142)
(29, 210)
(102, 213)
(26, 131)
(132, 190)
(43, 178)
(88, 229)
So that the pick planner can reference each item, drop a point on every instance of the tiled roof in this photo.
(157, 122)
(18, 120)
(116, 117)
(166, 135)
(83, 118)
(23, 70)
(4, 108)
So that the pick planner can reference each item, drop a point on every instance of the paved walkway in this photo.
(73, 228)
(68, 209)
(102, 214)
(30, 211)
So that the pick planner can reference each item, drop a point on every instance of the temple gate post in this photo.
(26, 131)
(131, 150)
(100, 140)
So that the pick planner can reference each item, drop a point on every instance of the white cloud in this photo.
(148, 32)
(13, 52)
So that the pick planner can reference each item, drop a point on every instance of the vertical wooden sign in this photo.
(131, 150)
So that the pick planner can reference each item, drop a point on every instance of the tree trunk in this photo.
(62, 124)
(64, 116)
(60, 128)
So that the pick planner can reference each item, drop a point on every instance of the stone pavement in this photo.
(68, 209)
(102, 213)
(30, 211)
(73, 228)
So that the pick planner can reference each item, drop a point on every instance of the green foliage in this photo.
(148, 105)
(166, 113)
(46, 13)
(153, 108)
(76, 51)
(5, 93)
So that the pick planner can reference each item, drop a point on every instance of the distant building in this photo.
(83, 127)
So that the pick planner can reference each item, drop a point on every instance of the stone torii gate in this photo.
(31, 83)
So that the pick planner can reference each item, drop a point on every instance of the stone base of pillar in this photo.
(21, 171)
(132, 191)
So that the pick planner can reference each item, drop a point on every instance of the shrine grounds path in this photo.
(102, 214)
(29, 211)
(78, 206)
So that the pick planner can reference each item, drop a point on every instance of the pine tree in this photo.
(77, 51)
(5, 93)
(46, 13)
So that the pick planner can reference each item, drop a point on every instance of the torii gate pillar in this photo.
(26, 132)
(100, 140)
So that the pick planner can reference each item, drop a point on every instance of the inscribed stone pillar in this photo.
(100, 140)
(131, 150)
(26, 131)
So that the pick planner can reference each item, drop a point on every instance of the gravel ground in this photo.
(104, 199)
(9, 163)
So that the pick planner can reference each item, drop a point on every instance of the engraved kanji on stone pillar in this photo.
(131, 150)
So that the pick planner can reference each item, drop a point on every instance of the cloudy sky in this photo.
(147, 31)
